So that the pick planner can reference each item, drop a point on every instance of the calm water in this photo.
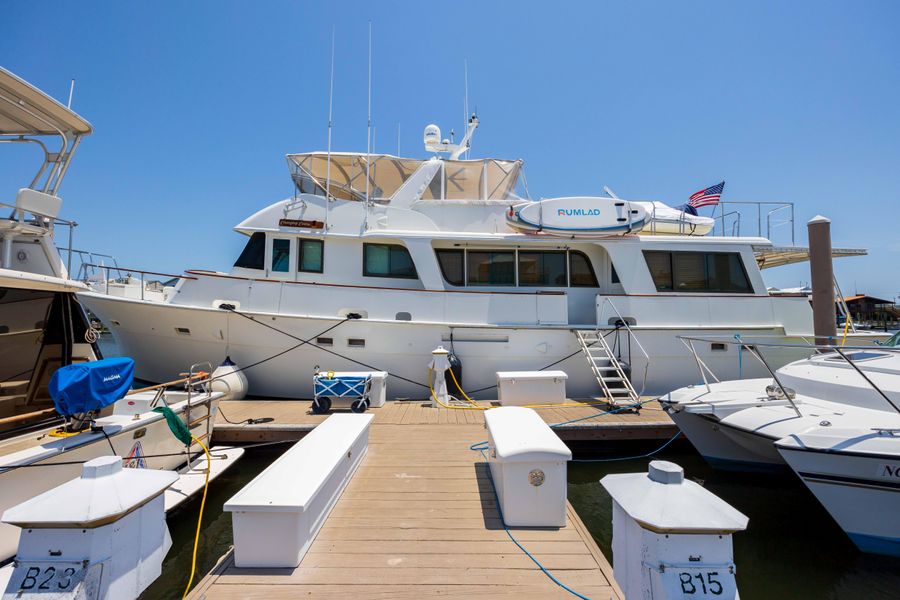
(792, 548)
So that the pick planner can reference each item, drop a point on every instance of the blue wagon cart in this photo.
(356, 389)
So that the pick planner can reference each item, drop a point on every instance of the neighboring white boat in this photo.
(734, 424)
(423, 255)
(43, 327)
(855, 474)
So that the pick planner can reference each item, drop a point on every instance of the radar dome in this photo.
(432, 134)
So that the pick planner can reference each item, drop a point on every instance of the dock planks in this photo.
(291, 419)
(419, 520)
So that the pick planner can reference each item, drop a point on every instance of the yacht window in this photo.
(309, 259)
(542, 268)
(581, 274)
(614, 277)
(491, 268)
(254, 253)
(388, 260)
(281, 255)
(451, 262)
(698, 272)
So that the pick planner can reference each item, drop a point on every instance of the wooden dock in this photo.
(292, 419)
(418, 520)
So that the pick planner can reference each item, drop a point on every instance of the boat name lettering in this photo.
(301, 223)
(578, 212)
(112, 377)
(889, 470)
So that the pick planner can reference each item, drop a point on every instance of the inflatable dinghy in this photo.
(662, 219)
(582, 216)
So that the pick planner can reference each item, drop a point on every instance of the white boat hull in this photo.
(149, 333)
(861, 493)
(135, 440)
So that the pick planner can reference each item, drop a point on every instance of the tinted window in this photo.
(310, 258)
(614, 277)
(388, 260)
(281, 255)
(491, 268)
(542, 268)
(581, 274)
(254, 253)
(698, 272)
(451, 262)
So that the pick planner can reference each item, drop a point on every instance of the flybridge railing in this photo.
(771, 217)
(47, 222)
(106, 280)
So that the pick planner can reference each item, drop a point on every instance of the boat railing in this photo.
(753, 346)
(770, 216)
(46, 222)
(105, 270)
(622, 323)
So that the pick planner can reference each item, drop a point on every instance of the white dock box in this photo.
(276, 516)
(528, 466)
(518, 388)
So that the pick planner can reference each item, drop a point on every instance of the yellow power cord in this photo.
(846, 327)
(199, 518)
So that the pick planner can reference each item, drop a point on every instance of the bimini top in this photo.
(26, 110)
(482, 179)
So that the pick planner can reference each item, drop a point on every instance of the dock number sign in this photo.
(696, 583)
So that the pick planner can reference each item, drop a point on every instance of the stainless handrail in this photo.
(48, 222)
(633, 336)
(753, 348)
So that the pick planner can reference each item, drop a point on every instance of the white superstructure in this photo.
(424, 255)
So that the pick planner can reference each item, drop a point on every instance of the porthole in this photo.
(182, 331)
(403, 316)
(324, 341)
(356, 343)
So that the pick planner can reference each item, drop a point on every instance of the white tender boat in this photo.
(377, 259)
(855, 474)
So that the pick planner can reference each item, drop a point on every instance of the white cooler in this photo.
(518, 388)
(528, 467)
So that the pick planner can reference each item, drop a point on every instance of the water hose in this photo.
(199, 517)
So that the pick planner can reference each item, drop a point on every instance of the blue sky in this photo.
(195, 104)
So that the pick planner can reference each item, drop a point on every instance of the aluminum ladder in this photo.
(607, 369)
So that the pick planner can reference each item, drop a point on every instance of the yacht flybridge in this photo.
(376, 260)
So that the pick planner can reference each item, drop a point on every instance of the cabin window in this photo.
(281, 255)
(613, 276)
(452, 266)
(491, 268)
(720, 272)
(542, 268)
(388, 260)
(310, 256)
(254, 253)
(581, 274)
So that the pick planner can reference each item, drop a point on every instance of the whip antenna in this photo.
(330, 113)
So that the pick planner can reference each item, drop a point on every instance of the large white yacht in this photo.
(392, 257)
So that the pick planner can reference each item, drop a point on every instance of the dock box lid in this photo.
(663, 501)
(531, 375)
(519, 434)
(291, 482)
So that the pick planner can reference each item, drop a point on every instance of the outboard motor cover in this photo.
(89, 386)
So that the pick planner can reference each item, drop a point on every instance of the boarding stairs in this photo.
(607, 369)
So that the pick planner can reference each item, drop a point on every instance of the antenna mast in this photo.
(369, 129)
(466, 97)
(71, 91)
(330, 113)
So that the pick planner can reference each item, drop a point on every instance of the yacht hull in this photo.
(861, 493)
(161, 336)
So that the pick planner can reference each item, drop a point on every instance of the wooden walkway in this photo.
(419, 520)
(291, 419)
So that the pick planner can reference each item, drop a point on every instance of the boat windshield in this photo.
(456, 179)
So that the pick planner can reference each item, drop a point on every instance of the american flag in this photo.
(707, 197)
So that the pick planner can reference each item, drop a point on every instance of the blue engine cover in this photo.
(89, 386)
